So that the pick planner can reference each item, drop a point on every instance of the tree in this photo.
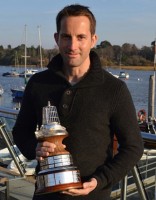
(127, 54)
(1, 48)
(105, 44)
(9, 47)
(117, 54)
(147, 53)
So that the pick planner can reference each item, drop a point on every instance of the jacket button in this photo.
(65, 106)
(68, 92)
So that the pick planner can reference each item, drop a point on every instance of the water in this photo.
(138, 85)
(6, 100)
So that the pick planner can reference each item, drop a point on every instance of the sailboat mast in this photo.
(25, 56)
(15, 58)
(120, 60)
(154, 55)
(39, 34)
(151, 101)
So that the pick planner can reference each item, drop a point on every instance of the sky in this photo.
(118, 21)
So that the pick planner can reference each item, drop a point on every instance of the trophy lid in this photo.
(50, 123)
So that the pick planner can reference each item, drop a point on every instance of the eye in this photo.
(81, 37)
(65, 37)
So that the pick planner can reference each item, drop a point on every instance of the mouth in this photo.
(71, 54)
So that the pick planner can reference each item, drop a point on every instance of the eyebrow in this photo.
(69, 35)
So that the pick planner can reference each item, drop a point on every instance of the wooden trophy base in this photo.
(58, 188)
(57, 180)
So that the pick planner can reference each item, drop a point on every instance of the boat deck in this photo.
(16, 188)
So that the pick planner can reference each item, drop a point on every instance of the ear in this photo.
(56, 36)
(94, 40)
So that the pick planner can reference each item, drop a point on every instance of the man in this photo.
(92, 105)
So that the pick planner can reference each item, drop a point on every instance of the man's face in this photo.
(75, 40)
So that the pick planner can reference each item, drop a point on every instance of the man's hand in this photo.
(87, 188)
(43, 149)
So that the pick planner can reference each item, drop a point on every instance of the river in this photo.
(138, 84)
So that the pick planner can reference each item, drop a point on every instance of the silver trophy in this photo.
(57, 171)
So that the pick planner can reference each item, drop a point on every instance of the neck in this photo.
(75, 74)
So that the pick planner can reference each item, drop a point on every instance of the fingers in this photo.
(90, 184)
(87, 188)
(71, 193)
(43, 149)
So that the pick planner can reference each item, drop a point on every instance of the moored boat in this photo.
(12, 73)
(115, 75)
(123, 75)
(18, 92)
(1, 90)
(28, 73)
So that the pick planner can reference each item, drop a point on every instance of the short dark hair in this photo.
(76, 10)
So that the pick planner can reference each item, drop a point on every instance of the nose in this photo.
(72, 43)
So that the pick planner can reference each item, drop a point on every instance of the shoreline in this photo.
(143, 68)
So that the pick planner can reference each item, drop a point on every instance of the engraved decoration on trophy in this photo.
(57, 171)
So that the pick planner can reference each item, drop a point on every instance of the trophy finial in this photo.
(49, 103)
(50, 114)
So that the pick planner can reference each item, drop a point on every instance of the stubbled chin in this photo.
(72, 63)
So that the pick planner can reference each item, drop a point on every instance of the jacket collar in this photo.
(93, 77)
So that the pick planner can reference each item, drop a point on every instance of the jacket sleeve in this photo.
(25, 126)
(124, 124)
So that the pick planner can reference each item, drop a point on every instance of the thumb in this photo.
(89, 184)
